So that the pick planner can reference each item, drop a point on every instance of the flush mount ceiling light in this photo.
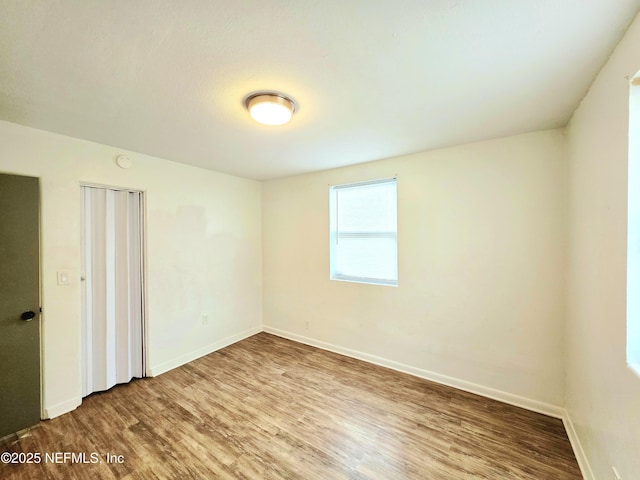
(270, 108)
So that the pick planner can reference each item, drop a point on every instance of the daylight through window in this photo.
(364, 233)
(633, 229)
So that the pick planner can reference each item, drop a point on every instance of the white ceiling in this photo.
(373, 78)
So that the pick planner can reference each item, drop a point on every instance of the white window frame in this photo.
(334, 236)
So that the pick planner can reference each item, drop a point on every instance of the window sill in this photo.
(368, 281)
(635, 368)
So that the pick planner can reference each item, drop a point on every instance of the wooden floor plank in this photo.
(269, 408)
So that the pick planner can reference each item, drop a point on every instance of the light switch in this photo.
(63, 277)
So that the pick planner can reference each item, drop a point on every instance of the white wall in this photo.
(203, 251)
(480, 301)
(602, 395)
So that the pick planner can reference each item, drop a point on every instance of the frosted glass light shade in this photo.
(270, 108)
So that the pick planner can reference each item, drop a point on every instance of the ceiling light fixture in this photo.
(270, 108)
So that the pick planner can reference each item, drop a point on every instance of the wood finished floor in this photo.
(269, 408)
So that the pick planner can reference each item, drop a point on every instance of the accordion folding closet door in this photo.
(113, 299)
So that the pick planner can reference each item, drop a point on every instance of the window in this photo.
(364, 232)
(633, 229)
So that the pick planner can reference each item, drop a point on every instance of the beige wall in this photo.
(603, 394)
(480, 300)
(203, 251)
(488, 299)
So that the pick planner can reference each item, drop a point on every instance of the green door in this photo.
(19, 303)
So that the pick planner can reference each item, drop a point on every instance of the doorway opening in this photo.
(113, 300)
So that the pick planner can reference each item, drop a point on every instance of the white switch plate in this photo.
(63, 277)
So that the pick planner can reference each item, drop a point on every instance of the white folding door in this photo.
(113, 307)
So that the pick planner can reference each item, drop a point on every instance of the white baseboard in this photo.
(523, 402)
(581, 457)
(62, 408)
(201, 352)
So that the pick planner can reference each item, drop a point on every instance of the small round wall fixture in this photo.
(270, 108)
(123, 161)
